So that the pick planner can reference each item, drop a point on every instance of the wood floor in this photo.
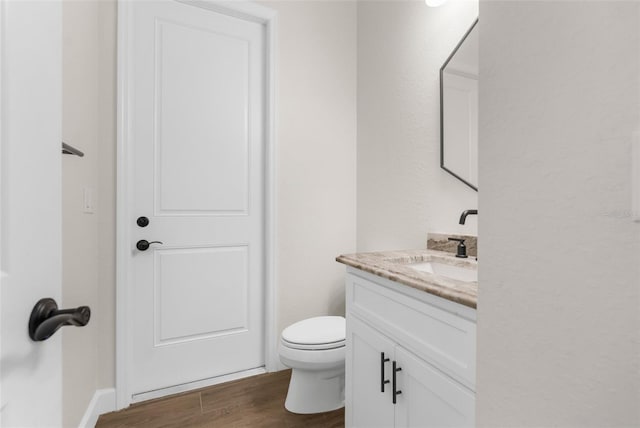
(254, 402)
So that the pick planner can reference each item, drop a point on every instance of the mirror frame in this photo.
(442, 106)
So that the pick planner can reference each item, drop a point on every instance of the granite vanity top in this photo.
(393, 265)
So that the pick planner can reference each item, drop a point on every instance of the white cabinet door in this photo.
(366, 405)
(429, 398)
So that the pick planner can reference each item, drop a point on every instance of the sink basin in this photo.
(445, 270)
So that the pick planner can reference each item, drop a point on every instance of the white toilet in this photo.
(314, 348)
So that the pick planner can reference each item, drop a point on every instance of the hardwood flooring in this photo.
(256, 402)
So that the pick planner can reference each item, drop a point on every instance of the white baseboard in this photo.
(103, 401)
(196, 385)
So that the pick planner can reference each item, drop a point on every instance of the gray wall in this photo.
(558, 311)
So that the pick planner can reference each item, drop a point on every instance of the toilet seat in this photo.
(313, 346)
(318, 333)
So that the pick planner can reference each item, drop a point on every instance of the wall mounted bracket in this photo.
(69, 150)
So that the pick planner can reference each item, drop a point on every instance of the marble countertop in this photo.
(393, 266)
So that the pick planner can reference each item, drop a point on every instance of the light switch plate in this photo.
(635, 176)
(87, 201)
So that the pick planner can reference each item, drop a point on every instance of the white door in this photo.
(368, 365)
(30, 209)
(196, 135)
(429, 398)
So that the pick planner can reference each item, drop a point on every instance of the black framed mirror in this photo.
(459, 110)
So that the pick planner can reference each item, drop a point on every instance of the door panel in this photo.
(198, 167)
(208, 104)
(30, 209)
(213, 303)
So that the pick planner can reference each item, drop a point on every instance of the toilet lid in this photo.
(316, 331)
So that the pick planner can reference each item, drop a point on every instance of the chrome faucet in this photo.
(465, 213)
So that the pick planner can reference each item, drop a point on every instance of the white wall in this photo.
(402, 191)
(80, 230)
(107, 10)
(88, 239)
(558, 311)
(316, 155)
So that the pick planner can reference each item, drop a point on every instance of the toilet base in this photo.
(315, 391)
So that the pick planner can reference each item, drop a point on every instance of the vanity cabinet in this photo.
(429, 340)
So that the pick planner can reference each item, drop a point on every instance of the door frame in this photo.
(245, 10)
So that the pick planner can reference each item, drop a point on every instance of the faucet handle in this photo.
(462, 249)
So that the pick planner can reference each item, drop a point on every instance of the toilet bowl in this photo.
(315, 351)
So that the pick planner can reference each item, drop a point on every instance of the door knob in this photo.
(46, 318)
(143, 221)
(143, 244)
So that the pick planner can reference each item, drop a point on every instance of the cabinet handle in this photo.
(395, 391)
(382, 379)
